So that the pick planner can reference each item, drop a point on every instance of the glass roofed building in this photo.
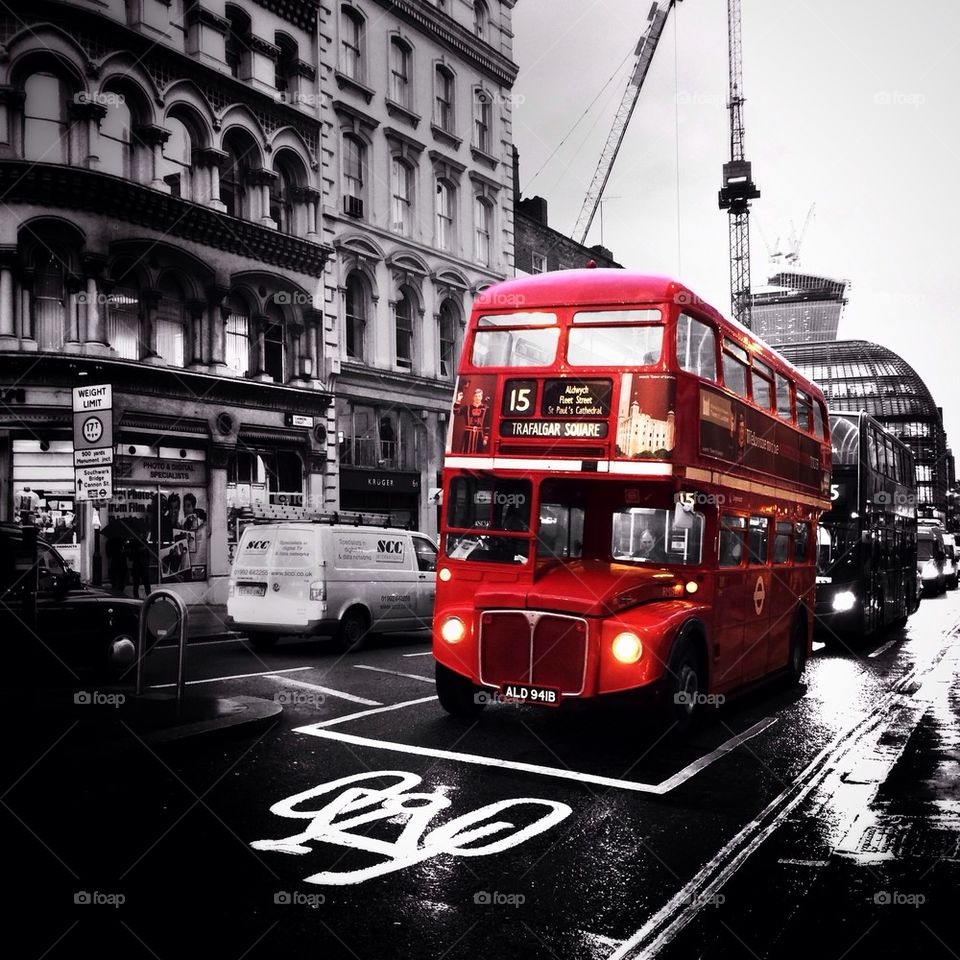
(796, 307)
(859, 375)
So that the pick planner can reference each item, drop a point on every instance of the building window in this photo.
(400, 208)
(400, 72)
(170, 324)
(538, 263)
(241, 152)
(116, 149)
(482, 217)
(177, 155)
(237, 41)
(291, 174)
(45, 126)
(447, 335)
(123, 322)
(237, 355)
(285, 69)
(443, 98)
(351, 43)
(355, 315)
(354, 164)
(404, 322)
(482, 114)
(274, 348)
(444, 210)
(49, 301)
(481, 17)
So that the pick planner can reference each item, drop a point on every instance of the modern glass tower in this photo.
(798, 308)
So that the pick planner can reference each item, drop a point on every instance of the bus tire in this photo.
(797, 662)
(457, 694)
(685, 687)
(261, 641)
(353, 629)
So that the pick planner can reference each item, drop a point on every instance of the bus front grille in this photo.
(528, 647)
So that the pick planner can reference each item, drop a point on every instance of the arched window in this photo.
(283, 204)
(242, 157)
(481, 19)
(443, 98)
(351, 43)
(123, 313)
(178, 158)
(49, 300)
(447, 336)
(274, 345)
(400, 57)
(355, 315)
(285, 69)
(45, 125)
(444, 211)
(482, 119)
(354, 168)
(404, 311)
(116, 147)
(483, 228)
(401, 181)
(170, 322)
(237, 41)
(237, 355)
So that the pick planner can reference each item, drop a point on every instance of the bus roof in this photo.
(604, 286)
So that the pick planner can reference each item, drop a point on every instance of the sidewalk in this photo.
(208, 622)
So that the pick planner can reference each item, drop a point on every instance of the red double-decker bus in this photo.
(630, 497)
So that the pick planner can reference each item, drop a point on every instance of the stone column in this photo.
(8, 320)
(89, 113)
(206, 180)
(95, 334)
(75, 288)
(259, 327)
(196, 310)
(260, 182)
(296, 351)
(217, 311)
(27, 339)
(314, 348)
(149, 301)
(153, 137)
(313, 207)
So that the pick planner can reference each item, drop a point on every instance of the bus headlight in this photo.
(627, 647)
(844, 601)
(930, 571)
(453, 630)
(445, 574)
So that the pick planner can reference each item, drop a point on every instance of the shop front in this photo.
(396, 493)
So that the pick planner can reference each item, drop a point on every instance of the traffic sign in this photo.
(93, 430)
(93, 397)
(94, 457)
(93, 483)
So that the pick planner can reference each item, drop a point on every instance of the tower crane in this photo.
(738, 186)
(646, 48)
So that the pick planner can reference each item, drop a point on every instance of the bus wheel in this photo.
(685, 688)
(798, 652)
(262, 641)
(353, 630)
(457, 694)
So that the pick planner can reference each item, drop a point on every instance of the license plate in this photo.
(251, 589)
(529, 693)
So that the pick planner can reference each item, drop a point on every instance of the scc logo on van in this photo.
(257, 546)
(390, 551)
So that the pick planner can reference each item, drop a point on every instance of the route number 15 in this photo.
(519, 397)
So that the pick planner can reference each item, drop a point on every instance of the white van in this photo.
(330, 579)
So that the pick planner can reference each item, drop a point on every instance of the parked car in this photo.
(338, 580)
(950, 563)
(77, 625)
(931, 558)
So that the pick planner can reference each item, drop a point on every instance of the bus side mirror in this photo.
(682, 516)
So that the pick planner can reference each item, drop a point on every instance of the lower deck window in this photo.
(651, 535)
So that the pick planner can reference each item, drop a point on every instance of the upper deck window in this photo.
(602, 346)
(515, 348)
(804, 411)
(817, 420)
(617, 316)
(517, 320)
(762, 385)
(736, 368)
(696, 347)
(784, 406)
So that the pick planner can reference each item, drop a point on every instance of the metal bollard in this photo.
(163, 614)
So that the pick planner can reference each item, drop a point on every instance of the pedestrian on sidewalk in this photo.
(140, 565)
(116, 564)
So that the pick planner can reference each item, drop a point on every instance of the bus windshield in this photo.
(836, 548)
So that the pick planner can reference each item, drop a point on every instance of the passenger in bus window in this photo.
(650, 548)
(731, 548)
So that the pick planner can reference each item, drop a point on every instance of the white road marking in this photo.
(429, 653)
(396, 673)
(883, 649)
(818, 645)
(328, 691)
(235, 676)
(362, 713)
(803, 863)
(658, 789)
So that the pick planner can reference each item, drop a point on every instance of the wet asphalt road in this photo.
(529, 833)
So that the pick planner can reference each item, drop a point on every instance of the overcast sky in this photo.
(851, 105)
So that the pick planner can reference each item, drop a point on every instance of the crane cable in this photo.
(676, 125)
(580, 118)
